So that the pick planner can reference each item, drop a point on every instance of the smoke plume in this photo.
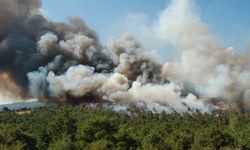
(213, 70)
(66, 63)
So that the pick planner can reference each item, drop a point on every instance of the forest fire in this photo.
(66, 62)
(154, 79)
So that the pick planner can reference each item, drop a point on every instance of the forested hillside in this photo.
(78, 127)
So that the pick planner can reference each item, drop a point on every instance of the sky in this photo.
(228, 20)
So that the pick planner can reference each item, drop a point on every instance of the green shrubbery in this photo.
(68, 127)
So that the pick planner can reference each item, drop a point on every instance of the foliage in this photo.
(77, 127)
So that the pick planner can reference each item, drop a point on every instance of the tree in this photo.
(6, 109)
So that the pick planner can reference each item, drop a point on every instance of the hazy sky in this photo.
(229, 20)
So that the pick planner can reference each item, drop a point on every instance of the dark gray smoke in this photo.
(28, 41)
(65, 62)
(21, 27)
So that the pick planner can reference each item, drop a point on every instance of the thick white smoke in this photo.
(200, 52)
(72, 65)
(205, 69)
(213, 70)
(80, 80)
(134, 80)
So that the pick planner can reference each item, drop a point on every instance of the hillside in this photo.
(21, 105)
(80, 127)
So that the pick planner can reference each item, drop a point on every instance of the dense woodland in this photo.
(78, 127)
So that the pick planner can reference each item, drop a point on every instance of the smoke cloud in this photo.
(66, 63)
(213, 70)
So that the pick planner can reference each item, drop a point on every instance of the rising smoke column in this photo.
(65, 62)
(21, 26)
(211, 69)
(34, 49)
